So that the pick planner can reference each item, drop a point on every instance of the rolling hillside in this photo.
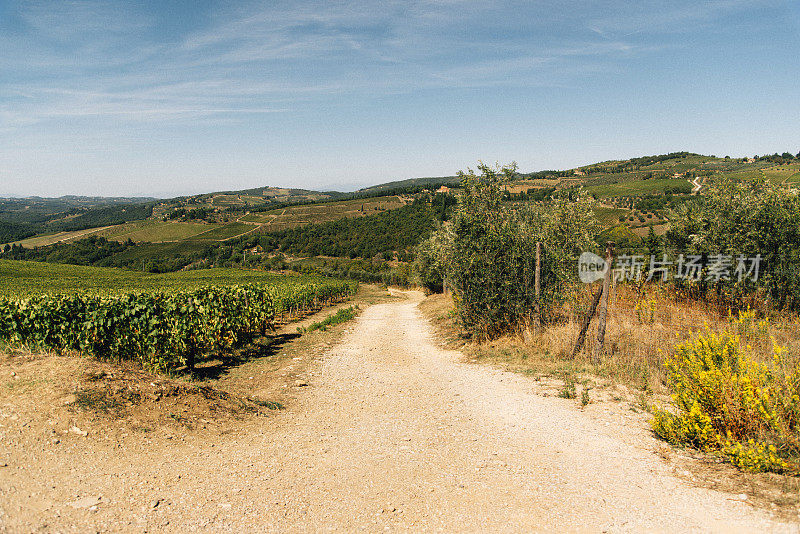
(634, 197)
(24, 217)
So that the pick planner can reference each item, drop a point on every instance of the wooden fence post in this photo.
(538, 280)
(586, 321)
(601, 327)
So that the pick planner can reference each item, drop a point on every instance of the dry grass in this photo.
(642, 328)
(644, 324)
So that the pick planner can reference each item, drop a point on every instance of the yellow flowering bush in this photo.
(747, 325)
(727, 402)
(753, 456)
(646, 311)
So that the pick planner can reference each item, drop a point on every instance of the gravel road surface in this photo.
(393, 433)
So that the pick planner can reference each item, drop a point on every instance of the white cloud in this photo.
(270, 59)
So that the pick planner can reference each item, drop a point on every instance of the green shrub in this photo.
(431, 258)
(568, 390)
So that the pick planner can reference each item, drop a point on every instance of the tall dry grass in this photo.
(645, 322)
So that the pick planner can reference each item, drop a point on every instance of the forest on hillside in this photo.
(385, 235)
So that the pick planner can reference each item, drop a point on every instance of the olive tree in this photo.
(744, 219)
(487, 252)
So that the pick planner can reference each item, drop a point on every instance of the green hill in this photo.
(218, 228)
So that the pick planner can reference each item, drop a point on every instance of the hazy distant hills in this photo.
(644, 186)
(411, 183)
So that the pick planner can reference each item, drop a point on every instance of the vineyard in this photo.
(23, 279)
(164, 329)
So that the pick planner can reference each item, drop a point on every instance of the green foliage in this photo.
(638, 163)
(488, 253)
(387, 233)
(14, 232)
(786, 157)
(746, 218)
(89, 251)
(363, 270)
(568, 390)
(390, 233)
(531, 195)
(727, 402)
(22, 279)
(407, 187)
(101, 252)
(21, 223)
(652, 243)
(341, 316)
(656, 203)
(105, 216)
(431, 258)
(395, 230)
(200, 214)
(162, 330)
(585, 398)
(45, 213)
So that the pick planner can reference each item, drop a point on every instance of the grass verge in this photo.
(341, 316)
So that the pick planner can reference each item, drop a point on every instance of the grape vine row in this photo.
(165, 331)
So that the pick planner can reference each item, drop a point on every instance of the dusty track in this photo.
(392, 434)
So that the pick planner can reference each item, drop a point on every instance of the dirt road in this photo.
(392, 434)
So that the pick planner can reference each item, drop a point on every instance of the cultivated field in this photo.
(290, 217)
(153, 231)
(644, 187)
(28, 278)
(159, 231)
(61, 237)
(783, 173)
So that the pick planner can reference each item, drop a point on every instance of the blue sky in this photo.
(173, 97)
